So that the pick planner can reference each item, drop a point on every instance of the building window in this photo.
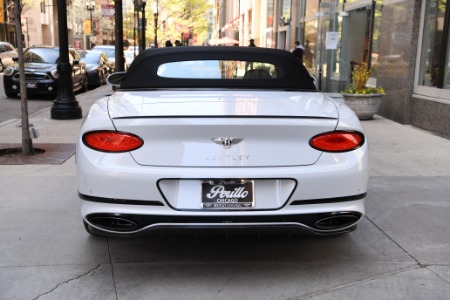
(270, 12)
(447, 62)
(285, 18)
(434, 68)
(42, 3)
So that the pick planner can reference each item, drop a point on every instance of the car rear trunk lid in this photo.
(224, 129)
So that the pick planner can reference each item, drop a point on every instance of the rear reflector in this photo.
(112, 141)
(337, 141)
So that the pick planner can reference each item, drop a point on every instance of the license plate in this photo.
(227, 194)
(31, 85)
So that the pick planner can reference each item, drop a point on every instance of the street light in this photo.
(118, 30)
(141, 6)
(155, 17)
(65, 106)
(136, 24)
(143, 24)
(90, 6)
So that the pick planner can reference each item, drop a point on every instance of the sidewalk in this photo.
(399, 251)
(53, 131)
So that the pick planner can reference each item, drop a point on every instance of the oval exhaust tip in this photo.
(337, 221)
(114, 223)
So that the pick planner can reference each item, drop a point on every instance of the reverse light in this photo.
(337, 141)
(112, 141)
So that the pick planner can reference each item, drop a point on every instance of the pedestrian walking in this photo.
(298, 51)
(249, 65)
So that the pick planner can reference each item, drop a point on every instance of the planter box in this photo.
(364, 106)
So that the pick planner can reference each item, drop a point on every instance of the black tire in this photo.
(85, 85)
(102, 79)
(2, 67)
(11, 94)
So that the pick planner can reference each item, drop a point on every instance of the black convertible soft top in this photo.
(285, 70)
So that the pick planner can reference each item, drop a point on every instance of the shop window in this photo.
(435, 53)
(447, 66)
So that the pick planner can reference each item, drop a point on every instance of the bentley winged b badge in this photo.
(227, 142)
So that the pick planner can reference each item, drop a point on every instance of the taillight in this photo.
(112, 141)
(337, 141)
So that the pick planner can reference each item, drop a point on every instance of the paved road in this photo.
(10, 108)
(399, 251)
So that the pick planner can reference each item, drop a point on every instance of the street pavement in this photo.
(401, 249)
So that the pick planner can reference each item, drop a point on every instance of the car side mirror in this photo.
(15, 59)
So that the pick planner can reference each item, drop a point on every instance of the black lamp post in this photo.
(65, 106)
(135, 25)
(90, 6)
(155, 17)
(144, 21)
(141, 6)
(118, 30)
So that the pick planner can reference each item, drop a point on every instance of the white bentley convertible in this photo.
(220, 137)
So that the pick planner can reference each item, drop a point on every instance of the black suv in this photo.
(41, 74)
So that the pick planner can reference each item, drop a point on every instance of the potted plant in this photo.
(363, 99)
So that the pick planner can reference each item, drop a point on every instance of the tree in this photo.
(27, 143)
(172, 20)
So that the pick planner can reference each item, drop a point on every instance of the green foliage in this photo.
(176, 17)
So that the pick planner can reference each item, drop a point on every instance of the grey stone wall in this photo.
(431, 115)
(399, 31)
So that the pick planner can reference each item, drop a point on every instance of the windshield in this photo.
(91, 57)
(41, 55)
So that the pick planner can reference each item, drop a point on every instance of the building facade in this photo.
(405, 42)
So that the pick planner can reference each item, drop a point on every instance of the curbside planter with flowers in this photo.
(362, 99)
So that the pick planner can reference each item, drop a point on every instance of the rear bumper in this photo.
(133, 224)
(129, 220)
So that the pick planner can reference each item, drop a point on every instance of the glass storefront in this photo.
(447, 66)
(270, 41)
(336, 36)
(435, 49)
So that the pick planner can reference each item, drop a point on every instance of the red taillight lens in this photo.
(337, 141)
(112, 141)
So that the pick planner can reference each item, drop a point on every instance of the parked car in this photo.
(98, 66)
(133, 49)
(191, 139)
(7, 53)
(41, 73)
(110, 52)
